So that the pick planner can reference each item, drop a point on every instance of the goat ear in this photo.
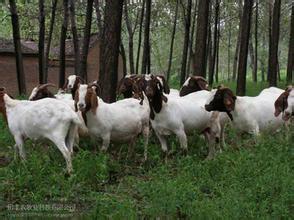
(80, 79)
(165, 85)
(76, 99)
(203, 85)
(94, 101)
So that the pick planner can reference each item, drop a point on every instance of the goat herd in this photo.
(64, 117)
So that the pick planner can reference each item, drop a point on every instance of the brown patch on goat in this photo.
(165, 84)
(43, 92)
(223, 101)
(154, 92)
(125, 86)
(281, 103)
(2, 104)
(91, 100)
(196, 83)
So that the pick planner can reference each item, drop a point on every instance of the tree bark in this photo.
(172, 41)
(201, 36)
(131, 36)
(290, 66)
(215, 39)
(229, 50)
(86, 41)
(217, 52)
(236, 57)
(98, 16)
(251, 54)
(146, 50)
(190, 53)
(41, 42)
(52, 21)
(243, 53)
(273, 55)
(75, 35)
(187, 21)
(62, 44)
(270, 13)
(256, 44)
(17, 48)
(124, 58)
(109, 50)
(140, 37)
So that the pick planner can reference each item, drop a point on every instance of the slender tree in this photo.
(41, 42)
(146, 49)
(290, 66)
(140, 36)
(75, 35)
(109, 49)
(236, 56)
(98, 16)
(131, 30)
(201, 37)
(172, 41)
(273, 55)
(62, 44)
(229, 49)
(256, 43)
(52, 22)
(243, 53)
(17, 48)
(187, 22)
(214, 48)
(124, 57)
(270, 14)
(86, 41)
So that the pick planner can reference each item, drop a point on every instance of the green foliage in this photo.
(250, 179)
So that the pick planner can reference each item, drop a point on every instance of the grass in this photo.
(248, 180)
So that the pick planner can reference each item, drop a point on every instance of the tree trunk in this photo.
(140, 37)
(86, 41)
(62, 44)
(243, 53)
(290, 66)
(109, 49)
(256, 44)
(190, 53)
(229, 50)
(75, 35)
(217, 52)
(251, 54)
(131, 34)
(172, 41)
(98, 16)
(215, 39)
(235, 65)
(270, 14)
(187, 21)
(146, 50)
(17, 48)
(52, 21)
(124, 58)
(201, 36)
(41, 42)
(273, 55)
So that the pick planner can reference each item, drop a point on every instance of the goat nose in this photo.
(70, 86)
(81, 105)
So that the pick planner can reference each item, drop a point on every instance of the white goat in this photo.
(178, 115)
(121, 121)
(249, 114)
(46, 118)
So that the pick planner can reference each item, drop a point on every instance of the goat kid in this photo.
(120, 122)
(45, 118)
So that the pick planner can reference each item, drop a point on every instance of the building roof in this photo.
(31, 46)
(69, 46)
(7, 46)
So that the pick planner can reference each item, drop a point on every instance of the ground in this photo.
(248, 180)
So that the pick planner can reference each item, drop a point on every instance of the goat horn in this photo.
(46, 85)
